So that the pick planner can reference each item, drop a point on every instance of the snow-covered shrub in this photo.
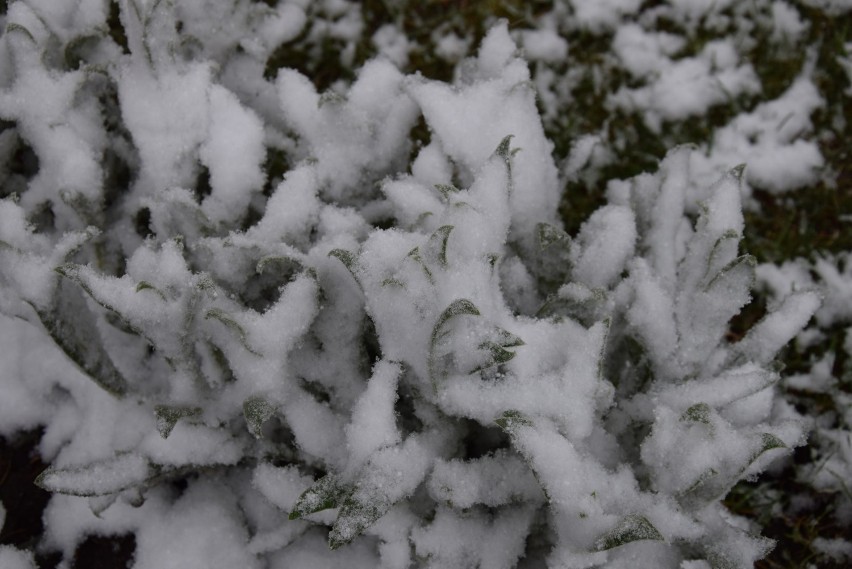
(394, 341)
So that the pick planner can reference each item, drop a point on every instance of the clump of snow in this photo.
(775, 137)
(12, 558)
(682, 88)
(200, 530)
(602, 15)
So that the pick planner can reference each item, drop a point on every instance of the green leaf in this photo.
(698, 413)
(442, 234)
(349, 260)
(498, 355)
(632, 527)
(496, 346)
(738, 171)
(742, 265)
(75, 48)
(327, 492)
(415, 254)
(63, 321)
(705, 488)
(507, 339)
(549, 235)
(207, 285)
(228, 320)
(99, 504)
(286, 263)
(718, 560)
(503, 150)
(18, 28)
(257, 411)
(99, 478)
(456, 308)
(729, 235)
(168, 416)
(768, 442)
(511, 420)
(446, 190)
(354, 518)
(330, 98)
(145, 285)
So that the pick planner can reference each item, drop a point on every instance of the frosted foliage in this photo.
(298, 334)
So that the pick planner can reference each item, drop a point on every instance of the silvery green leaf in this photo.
(698, 413)
(327, 492)
(167, 417)
(257, 410)
(549, 235)
(99, 478)
(233, 325)
(511, 420)
(632, 527)
(63, 321)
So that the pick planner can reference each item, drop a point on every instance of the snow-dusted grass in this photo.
(425, 287)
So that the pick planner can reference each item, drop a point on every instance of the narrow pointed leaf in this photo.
(446, 190)
(63, 322)
(632, 527)
(442, 234)
(511, 420)
(145, 285)
(503, 150)
(550, 235)
(698, 413)
(354, 518)
(456, 308)
(257, 411)
(168, 416)
(327, 492)
(233, 325)
(98, 478)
